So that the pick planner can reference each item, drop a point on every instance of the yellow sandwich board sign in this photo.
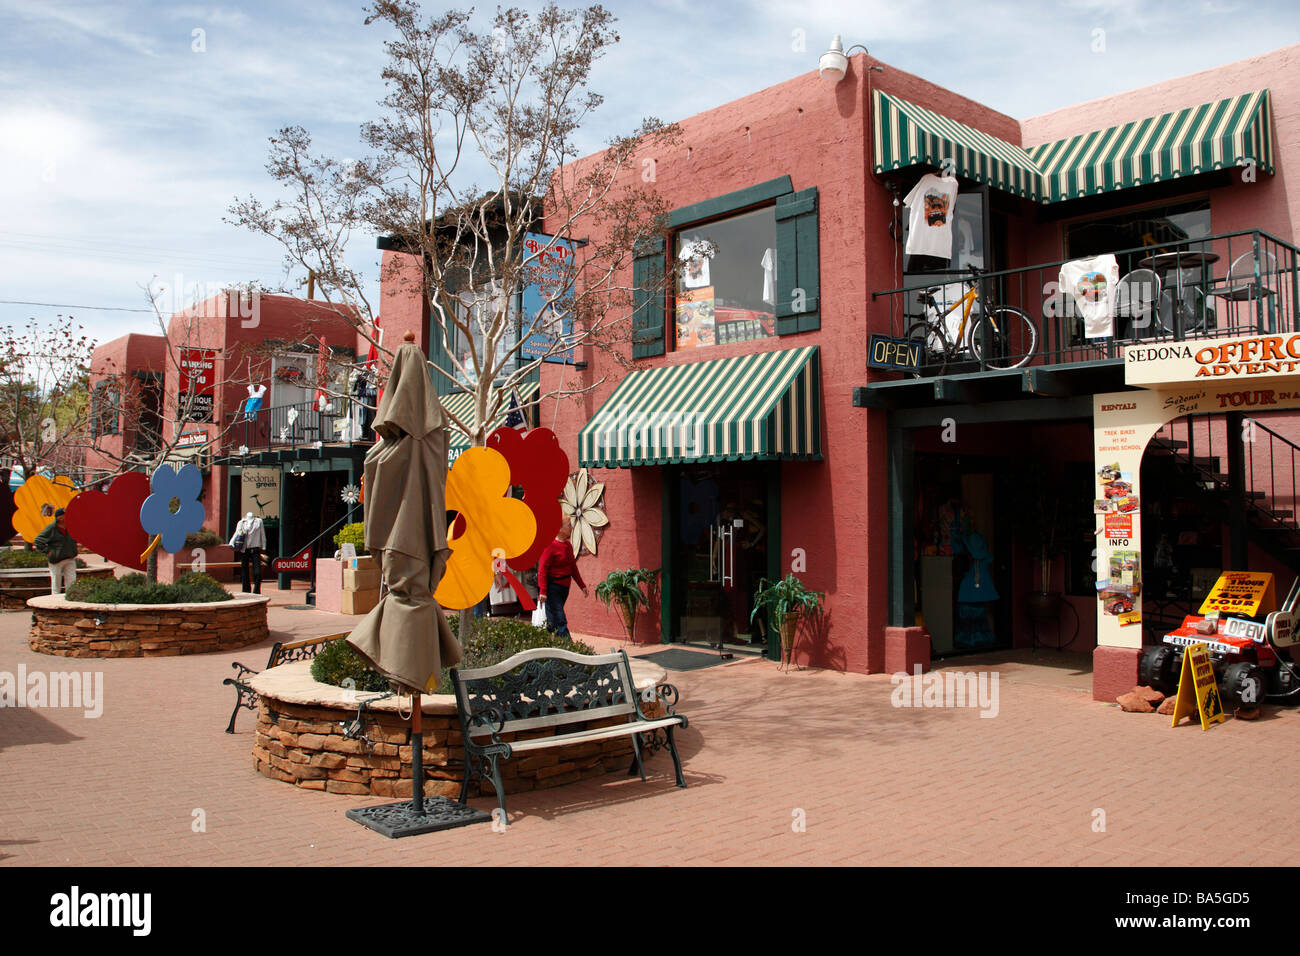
(1198, 692)
(1241, 592)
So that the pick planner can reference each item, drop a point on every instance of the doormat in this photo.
(676, 659)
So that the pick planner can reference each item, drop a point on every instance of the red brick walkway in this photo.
(875, 783)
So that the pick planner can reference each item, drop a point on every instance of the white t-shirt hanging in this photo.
(769, 276)
(696, 273)
(932, 202)
(1091, 284)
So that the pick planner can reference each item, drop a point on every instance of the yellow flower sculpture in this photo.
(35, 492)
(583, 505)
(477, 487)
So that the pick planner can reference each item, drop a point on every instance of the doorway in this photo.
(721, 543)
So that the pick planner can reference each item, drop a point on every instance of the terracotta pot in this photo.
(1043, 605)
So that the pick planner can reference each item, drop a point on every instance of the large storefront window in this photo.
(1153, 230)
(478, 310)
(729, 296)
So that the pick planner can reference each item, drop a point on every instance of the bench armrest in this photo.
(242, 671)
(665, 694)
(490, 717)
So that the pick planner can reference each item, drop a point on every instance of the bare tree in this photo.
(507, 102)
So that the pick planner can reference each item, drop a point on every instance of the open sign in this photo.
(901, 355)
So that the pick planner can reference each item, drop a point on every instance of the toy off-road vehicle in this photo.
(1252, 658)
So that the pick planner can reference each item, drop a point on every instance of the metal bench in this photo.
(547, 688)
(303, 650)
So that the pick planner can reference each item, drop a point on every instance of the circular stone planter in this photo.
(299, 740)
(79, 629)
(18, 585)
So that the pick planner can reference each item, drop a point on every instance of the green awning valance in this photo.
(907, 134)
(461, 404)
(1225, 133)
(761, 406)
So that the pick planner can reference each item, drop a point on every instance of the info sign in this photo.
(198, 380)
(1248, 593)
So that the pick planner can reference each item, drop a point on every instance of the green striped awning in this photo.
(461, 404)
(761, 406)
(907, 134)
(1198, 139)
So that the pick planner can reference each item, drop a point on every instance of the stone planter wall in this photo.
(18, 586)
(78, 629)
(303, 743)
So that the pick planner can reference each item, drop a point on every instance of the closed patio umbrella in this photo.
(406, 636)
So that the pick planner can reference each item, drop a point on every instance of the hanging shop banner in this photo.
(260, 492)
(198, 383)
(1198, 691)
(298, 562)
(1230, 360)
(548, 281)
(1249, 593)
(899, 355)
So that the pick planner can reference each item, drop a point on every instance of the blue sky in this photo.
(122, 143)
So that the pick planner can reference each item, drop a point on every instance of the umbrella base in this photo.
(395, 820)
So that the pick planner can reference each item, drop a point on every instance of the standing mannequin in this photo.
(249, 540)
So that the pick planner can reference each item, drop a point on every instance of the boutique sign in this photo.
(1227, 360)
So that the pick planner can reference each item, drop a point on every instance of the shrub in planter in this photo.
(191, 588)
(19, 559)
(353, 534)
(494, 640)
(203, 538)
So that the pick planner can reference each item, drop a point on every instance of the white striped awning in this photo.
(764, 406)
(1222, 134)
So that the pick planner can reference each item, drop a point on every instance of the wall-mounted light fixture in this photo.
(834, 63)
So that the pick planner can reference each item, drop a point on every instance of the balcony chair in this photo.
(1137, 299)
(1248, 280)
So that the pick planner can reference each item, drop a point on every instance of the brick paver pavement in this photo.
(876, 784)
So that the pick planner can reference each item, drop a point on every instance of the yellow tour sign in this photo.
(1241, 592)
(1198, 692)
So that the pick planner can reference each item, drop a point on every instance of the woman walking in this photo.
(554, 572)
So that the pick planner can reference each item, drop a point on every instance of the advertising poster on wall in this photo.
(548, 282)
(198, 380)
(260, 492)
(695, 318)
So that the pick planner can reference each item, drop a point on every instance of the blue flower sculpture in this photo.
(156, 516)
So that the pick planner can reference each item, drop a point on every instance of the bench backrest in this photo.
(303, 650)
(546, 687)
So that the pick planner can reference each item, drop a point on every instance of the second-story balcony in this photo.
(302, 425)
(989, 335)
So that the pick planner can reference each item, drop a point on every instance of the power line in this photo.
(64, 305)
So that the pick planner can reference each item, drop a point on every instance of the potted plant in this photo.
(630, 589)
(784, 601)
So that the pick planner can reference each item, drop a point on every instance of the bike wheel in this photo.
(1012, 338)
(932, 347)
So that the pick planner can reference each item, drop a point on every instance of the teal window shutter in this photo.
(798, 272)
(648, 298)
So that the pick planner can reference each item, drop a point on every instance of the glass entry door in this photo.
(722, 538)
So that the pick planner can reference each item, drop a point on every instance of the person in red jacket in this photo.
(554, 571)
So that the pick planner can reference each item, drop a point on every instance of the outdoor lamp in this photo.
(833, 63)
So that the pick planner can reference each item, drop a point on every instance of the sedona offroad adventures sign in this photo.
(1232, 359)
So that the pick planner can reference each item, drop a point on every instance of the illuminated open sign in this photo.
(900, 355)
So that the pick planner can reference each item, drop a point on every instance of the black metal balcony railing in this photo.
(294, 426)
(1231, 284)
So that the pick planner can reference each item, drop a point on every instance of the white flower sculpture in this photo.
(583, 504)
(351, 494)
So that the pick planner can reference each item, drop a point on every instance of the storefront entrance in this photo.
(721, 542)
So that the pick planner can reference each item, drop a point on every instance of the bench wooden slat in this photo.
(600, 733)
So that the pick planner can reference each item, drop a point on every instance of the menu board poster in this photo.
(695, 321)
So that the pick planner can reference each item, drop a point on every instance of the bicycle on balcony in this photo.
(1000, 337)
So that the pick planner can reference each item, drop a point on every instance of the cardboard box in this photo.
(365, 562)
(361, 579)
(360, 602)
